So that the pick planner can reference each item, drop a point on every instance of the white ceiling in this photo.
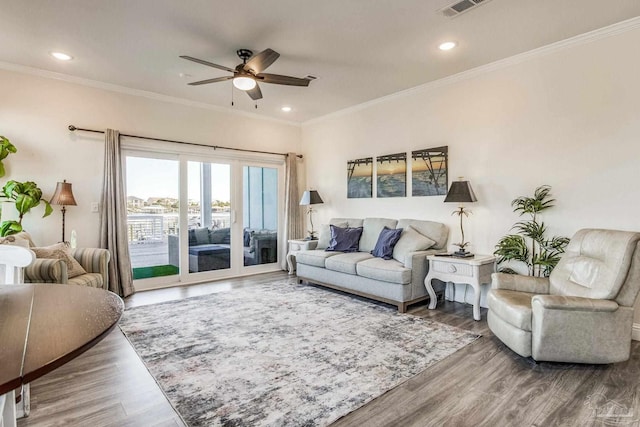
(359, 49)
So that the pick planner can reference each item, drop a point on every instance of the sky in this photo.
(160, 178)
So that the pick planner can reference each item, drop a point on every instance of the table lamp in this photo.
(461, 192)
(311, 197)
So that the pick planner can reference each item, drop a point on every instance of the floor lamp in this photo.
(63, 197)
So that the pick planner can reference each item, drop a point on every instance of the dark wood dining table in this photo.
(43, 326)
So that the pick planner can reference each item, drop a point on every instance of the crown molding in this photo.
(601, 33)
(23, 69)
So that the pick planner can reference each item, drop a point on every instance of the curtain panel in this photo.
(113, 217)
(293, 219)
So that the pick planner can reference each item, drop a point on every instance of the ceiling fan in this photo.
(247, 75)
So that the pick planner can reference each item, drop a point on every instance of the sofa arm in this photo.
(46, 270)
(516, 282)
(94, 260)
(560, 302)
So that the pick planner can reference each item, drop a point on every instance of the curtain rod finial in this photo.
(72, 128)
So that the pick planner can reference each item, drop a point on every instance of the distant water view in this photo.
(429, 171)
(392, 175)
(423, 184)
(392, 185)
(360, 178)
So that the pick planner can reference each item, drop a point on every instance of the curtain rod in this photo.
(73, 128)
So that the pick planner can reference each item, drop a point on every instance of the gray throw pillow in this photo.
(411, 241)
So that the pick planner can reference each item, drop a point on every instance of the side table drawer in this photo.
(453, 268)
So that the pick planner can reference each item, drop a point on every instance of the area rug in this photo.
(281, 354)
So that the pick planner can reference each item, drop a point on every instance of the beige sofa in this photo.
(583, 312)
(398, 281)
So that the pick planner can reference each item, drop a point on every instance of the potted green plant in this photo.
(26, 196)
(6, 148)
(530, 246)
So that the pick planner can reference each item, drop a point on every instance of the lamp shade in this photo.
(310, 198)
(63, 195)
(460, 192)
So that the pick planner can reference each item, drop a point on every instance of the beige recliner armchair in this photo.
(583, 312)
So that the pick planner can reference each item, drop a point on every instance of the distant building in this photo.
(135, 202)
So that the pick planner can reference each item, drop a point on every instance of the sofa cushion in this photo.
(61, 251)
(351, 222)
(12, 240)
(344, 239)
(436, 231)
(410, 241)
(384, 270)
(219, 235)
(513, 307)
(325, 233)
(93, 280)
(386, 242)
(316, 257)
(371, 230)
(201, 235)
(346, 263)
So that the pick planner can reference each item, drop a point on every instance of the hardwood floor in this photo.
(484, 384)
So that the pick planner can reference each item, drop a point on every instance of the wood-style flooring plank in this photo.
(483, 384)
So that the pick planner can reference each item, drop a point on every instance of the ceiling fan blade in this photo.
(255, 93)
(259, 62)
(207, 63)
(282, 80)
(217, 79)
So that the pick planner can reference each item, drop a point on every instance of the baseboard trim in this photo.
(635, 332)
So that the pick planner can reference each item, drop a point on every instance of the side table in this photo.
(472, 271)
(296, 246)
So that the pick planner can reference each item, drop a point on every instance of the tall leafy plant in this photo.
(26, 196)
(530, 246)
(6, 148)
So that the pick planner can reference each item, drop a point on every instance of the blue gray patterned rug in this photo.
(281, 354)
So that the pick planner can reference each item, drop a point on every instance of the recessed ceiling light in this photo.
(447, 45)
(61, 56)
(286, 109)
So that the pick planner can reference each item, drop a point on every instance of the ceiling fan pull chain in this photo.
(232, 94)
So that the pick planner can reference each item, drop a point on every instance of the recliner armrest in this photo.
(560, 302)
(46, 270)
(516, 282)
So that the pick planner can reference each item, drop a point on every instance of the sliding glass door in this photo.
(194, 217)
(209, 225)
(152, 216)
(260, 215)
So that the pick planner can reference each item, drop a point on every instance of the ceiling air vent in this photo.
(460, 7)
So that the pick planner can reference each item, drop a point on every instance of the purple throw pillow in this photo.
(344, 239)
(386, 242)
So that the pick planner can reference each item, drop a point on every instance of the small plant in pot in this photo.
(530, 246)
(26, 196)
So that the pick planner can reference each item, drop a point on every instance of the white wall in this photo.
(35, 113)
(568, 118)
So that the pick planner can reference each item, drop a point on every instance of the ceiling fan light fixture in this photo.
(286, 109)
(244, 82)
